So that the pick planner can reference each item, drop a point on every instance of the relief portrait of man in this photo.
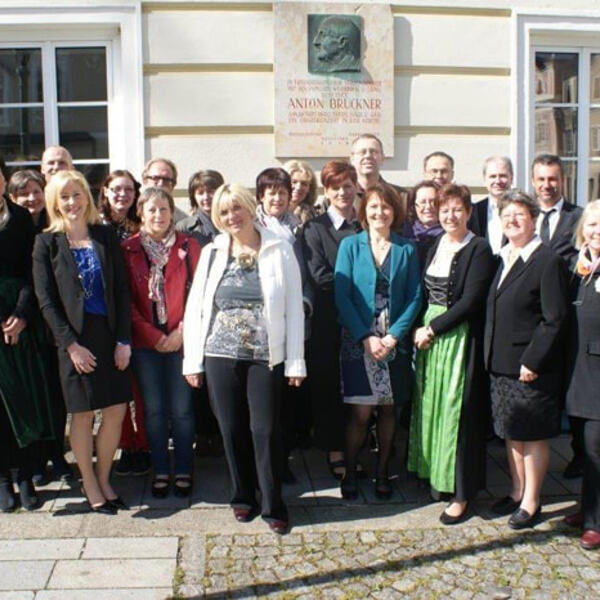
(336, 45)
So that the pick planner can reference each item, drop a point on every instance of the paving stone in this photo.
(24, 575)
(132, 547)
(40, 549)
(107, 594)
(113, 573)
(16, 595)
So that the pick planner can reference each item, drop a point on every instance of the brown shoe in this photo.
(574, 520)
(590, 540)
(279, 527)
(244, 515)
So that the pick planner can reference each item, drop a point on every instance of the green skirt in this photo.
(437, 404)
(25, 381)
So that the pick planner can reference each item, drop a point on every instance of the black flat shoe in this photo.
(446, 519)
(521, 519)
(104, 509)
(8, 501)
(183, 486)
(160, 486)
(505, 506)
(118, 503)
(383, 488)
(349, 488)
(29, 498)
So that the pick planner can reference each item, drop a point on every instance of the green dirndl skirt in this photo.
(437, 404)
(25, 383)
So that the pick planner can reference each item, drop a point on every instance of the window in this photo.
(55, 93)
(72, 76)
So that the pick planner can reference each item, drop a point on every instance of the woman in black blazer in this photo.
(526, 309)
(583, 398)
(80, 283)
(321, 238)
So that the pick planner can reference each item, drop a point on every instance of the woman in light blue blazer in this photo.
(378, 296)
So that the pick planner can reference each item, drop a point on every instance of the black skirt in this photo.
(106, 385)
(525, 412)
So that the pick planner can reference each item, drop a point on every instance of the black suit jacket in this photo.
(320, 243)
(525, 315)
(562, 241)
(60, 292)
(479, 217)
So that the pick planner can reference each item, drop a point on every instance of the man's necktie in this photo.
(545, 228)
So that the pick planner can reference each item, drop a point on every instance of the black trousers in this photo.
(590, 489)
(577, 443)
(246, 397)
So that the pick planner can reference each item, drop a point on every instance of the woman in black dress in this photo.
(82, 290)
(583, 398)
(25, 401)
(526, 310)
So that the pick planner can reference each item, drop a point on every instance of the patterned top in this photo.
(238, 328)
(90, 276)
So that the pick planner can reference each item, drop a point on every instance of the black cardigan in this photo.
(16, 243)
(526, 314)
(471, 272)
(60, 292)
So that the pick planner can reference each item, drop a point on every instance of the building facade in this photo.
(120, 82)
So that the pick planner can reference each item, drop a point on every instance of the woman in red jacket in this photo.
(160, 265)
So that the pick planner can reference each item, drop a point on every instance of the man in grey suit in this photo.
(556, 226)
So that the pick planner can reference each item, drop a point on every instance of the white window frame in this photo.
(115, 25)
(554, 31)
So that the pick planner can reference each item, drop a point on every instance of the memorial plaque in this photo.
(334, 77)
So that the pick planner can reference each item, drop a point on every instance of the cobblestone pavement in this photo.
(485, 562)
(194, 548)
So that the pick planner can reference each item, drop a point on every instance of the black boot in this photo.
(8, 501)
(29, 497)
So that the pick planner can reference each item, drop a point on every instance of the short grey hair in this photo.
(517, 196)
(503, 159)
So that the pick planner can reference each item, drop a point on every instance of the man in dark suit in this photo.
(485, 220)
(556, 226)
(558, 218)
(367, 156)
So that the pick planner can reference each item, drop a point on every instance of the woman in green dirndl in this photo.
(25, 413)
(449, 416)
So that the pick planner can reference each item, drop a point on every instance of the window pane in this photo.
(595, 79)
(94, 174)
(21, 133)
(570, 170)
(556, 77)
(21, 75)
(81, 74)
(594, 180)
(84, 131)
(594, 131)
(556, 130)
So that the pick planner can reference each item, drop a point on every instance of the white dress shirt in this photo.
(494, 226)
(524, 253)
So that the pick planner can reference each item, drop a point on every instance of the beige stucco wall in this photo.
(208, 85)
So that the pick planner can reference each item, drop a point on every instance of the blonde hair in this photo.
(225, 196)
(591, 207)
(56, 221)
(299, 166)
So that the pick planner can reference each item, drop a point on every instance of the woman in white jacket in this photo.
(244, 328)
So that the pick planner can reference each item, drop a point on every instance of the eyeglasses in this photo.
(159, 178)
(425, 202)
(121, 190)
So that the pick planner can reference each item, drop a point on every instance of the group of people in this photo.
(385, 300)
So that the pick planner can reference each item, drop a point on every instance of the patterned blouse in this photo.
(238, 328)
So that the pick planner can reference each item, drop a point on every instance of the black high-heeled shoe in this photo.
(102, 509)
(118, 503)
(349, 488)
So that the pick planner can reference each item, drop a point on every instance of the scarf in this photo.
(284, 226)
(586, 266)
(158, 255)
(421, 233)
